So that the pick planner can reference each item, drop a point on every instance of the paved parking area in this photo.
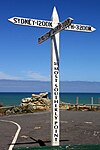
(75, 128)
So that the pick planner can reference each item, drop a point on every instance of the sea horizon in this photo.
(14, 98)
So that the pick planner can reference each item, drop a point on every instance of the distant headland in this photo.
(41, 86)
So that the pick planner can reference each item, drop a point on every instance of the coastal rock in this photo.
(27, 100)
(41, 102)
(39, 96)
(37, 102)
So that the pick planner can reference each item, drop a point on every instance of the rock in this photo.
(30, 108)
(36, 102)
(8, 112)
(27, 100)
(39, 96)
(44, 95)
(35, 96)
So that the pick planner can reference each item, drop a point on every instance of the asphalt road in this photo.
(75, 128)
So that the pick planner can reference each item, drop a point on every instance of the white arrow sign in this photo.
(31, 22)
(49, 24)
(80, 27)
(58, 28)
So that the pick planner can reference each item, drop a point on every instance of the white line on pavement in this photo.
(16, 134)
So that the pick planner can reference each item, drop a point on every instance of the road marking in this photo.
(16, 134)
(88, 122)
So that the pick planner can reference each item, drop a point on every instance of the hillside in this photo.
(42, 86)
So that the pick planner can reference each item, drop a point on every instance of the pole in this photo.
(91, 103)
(55, 83)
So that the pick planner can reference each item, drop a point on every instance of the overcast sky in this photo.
(22, 58)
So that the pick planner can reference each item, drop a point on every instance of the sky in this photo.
(22, 58)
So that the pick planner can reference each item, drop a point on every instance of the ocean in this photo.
(12, 98)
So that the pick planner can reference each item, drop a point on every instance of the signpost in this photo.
(54, 34)
(56, 27)
(49, 24)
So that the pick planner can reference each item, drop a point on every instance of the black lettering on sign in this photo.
(55, 131)
(39, 23)
(15, 20)
(56, 76)
(65, 23)
(59, 26)
(77, 27)
(46, 24)
(55, 139)
(55, 101)
(43, 38)
(56, 109)
(55, 93)
(56, 97)
(56, 86)
(84, 27)
(56, 127)
(56, 80)
(56, 68)
(55, 89)
(22, 21)
(55, 105)
(81, 27)
(55, 72)
(18, 20)
(56, 116)
(89, 28)
(56, 135)
(43, 23)
(72, 26)
(27, 21)
(33, 21)
(55, 63)
(50, 24)
(47, 35)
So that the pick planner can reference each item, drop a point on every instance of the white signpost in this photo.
(56, 27)
(49, 24)
(54, 34)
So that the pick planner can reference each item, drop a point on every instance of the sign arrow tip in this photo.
(93, 29)
(10, 19)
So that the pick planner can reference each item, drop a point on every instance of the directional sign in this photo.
(58, 28)
(80, 27)
(31, 22)
(49, 24)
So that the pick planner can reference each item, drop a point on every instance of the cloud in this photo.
(26, 75)
(7, 76)
(36, 76)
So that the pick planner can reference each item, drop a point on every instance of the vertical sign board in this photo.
(54, 34)
(55, 84)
